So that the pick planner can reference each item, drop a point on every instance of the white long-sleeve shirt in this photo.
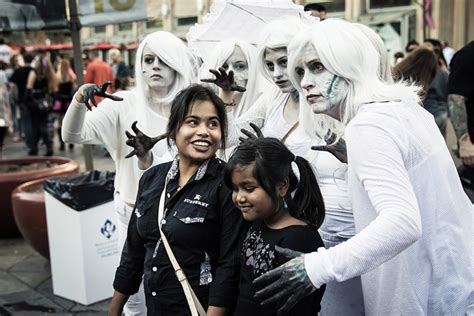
(414, 221)
(106, 124)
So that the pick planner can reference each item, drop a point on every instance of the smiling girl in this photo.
(284, 211)
(199, 220)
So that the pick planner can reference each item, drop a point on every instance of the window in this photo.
(125, 27)
(154, 24)
(99, 29)
(379, 4)
(187, 21)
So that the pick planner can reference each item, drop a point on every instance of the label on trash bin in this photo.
(109, 247)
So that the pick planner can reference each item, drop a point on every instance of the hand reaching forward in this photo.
(288, 283)
(224, 80)
(338, 149)
(250, 135)
(87, 91)
(141, 143)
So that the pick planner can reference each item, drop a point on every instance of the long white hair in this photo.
(346, 51)
(173, 52)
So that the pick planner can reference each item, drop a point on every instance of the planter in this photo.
(30, 215)
(14, 172)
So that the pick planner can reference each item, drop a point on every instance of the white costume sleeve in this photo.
(99, 126)
(385, 197)
(256, 114)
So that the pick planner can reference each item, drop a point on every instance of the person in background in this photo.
(66, 87)
(5, 109)
(448, 52)
(6, 51)
(20, 78)
(418, 67)
(41, 85)
(398, 57)
(437, 48)
(16, 61)
(411, 46)
(98, 71)
(461, 109)
(317, 10)
(119, 68)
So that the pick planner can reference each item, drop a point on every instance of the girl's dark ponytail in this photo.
(308, 201)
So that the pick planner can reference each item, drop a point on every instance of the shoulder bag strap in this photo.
(193, 302)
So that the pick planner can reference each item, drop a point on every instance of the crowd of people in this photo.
(36, 89)
(294, 177)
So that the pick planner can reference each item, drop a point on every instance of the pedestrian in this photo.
(317, 10)
(66, 88)
(6, 124)
(412, 216)
(40, 88)
(98, 71)
(284, 211)
(20, 78)
(195, 212)
(163, 68)
(119, 68)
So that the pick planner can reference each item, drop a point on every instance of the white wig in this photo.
(385, 69)
(173, 52)
(255, 84)
(278, 34)
(347, 52)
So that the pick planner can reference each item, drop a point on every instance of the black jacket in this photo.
(204, 230)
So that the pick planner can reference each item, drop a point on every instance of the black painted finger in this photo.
(247, 133)
(158, 138)
(131, 154)
(105, 85)
(288, 253)
(222, 71)
(112, 97)
(86, 102)
(290, 303)
(209, 80)
(268, 277)
(281, 295)
(130, 142)
(257, 130)
(320, 148)
(215, 72)
(93, 101)
(238, 88)
(269, 291)
(127, 133)
(135, 128)
(243, 140)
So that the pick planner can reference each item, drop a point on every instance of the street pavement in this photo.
(25, 276)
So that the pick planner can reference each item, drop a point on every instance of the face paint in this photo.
(323, 90)
(275, 61)
(239, 65)
(156, 74)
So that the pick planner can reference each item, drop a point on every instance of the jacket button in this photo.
(153, 293)
(163, 221)
(188, 219)
(154, 269)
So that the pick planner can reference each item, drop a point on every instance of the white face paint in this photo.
(323, 90)
(157, 75)
(275, 61)
(239, 65)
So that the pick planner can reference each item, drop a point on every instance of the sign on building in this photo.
(103, 12)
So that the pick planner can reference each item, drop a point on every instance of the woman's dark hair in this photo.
(272, 164)
(183, 102)
(419, 66)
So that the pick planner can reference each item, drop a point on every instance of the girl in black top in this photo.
(200, 221)
(286, 213)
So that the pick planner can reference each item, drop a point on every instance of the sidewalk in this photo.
(25, 276)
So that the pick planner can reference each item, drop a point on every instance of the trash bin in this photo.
(82, 233)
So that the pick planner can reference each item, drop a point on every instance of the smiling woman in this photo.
(199, 221)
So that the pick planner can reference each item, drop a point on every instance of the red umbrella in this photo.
(101, 46)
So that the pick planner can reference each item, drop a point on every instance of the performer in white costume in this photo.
(413, 245)
(164, 66)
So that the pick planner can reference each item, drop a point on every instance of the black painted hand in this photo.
(337, 149)
(141, 143)
(288, 283)
(250, 135)
(88, 91)
(224, 80)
